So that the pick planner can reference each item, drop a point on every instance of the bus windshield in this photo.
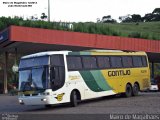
(40, 73)
(33, 79)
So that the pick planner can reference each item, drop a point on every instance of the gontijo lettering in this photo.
(119, 73)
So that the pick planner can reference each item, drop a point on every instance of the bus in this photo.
(55, 77)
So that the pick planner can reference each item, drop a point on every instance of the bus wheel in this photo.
(74, 100)
(48, 106)
(128, 92)
(135, 89)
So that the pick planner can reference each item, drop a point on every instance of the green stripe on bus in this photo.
(100, 80)
(79, 53)
(74, 53)
(85, 53)
(90, 81)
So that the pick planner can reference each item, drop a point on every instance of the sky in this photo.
(79, 10)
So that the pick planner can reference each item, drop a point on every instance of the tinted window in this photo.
(127, 61)
(36, 61)
(144, 61)
(74, 63)
(57, 60)
(137, 61)
(103, 62)
(89, 62)
(57, 77)
(116, 62)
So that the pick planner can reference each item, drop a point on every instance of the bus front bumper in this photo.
(37, 100)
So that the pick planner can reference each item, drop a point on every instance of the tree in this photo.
(98, 20)
(148, 17)
(131, 18)
(43, 16)
(108, 19)
(126, 19)
(156, 14)
(156, 11)
(136, 18)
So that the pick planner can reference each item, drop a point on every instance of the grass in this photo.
(146, 30)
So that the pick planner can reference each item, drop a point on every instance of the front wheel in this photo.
(48, 106)
(74, 100)
(135, 89)
(128, 92)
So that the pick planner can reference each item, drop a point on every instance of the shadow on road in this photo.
(82, 103)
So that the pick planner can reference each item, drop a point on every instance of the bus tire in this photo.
(74, 99)
(135, 89)
(128, 92)
(48, 106)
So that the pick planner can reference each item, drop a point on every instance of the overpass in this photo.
(27, 40)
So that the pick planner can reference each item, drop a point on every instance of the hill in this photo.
(146, 30)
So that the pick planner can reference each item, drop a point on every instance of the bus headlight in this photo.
(21, 101)
(44, 99)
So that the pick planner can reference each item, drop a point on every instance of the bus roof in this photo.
(47, 53)
(90, 52)
(86, 52)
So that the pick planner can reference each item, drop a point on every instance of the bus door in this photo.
(57, 72)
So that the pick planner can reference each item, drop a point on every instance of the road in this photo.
(145, 103)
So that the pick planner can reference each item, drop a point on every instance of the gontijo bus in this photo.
(58, 77)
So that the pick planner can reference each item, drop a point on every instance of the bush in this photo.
(134, 35)
(145, 35)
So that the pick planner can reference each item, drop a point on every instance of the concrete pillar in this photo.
(16, 58)
(5, 72)
(152, 69)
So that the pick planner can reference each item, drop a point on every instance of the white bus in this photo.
(49, 78)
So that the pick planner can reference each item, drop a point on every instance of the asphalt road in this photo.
(145, 103)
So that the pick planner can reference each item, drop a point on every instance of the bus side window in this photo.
(144, 61)
(127, 61)
(89, 62)
(137, 61)
(103, 62)
(74, 63)
(116, 62)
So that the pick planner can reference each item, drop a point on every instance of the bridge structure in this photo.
(28, 40)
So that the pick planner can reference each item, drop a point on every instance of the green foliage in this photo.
(149, 17)
(134, 35)
(145, 35)
(95, 28)
(138, 35)
(148, 30)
